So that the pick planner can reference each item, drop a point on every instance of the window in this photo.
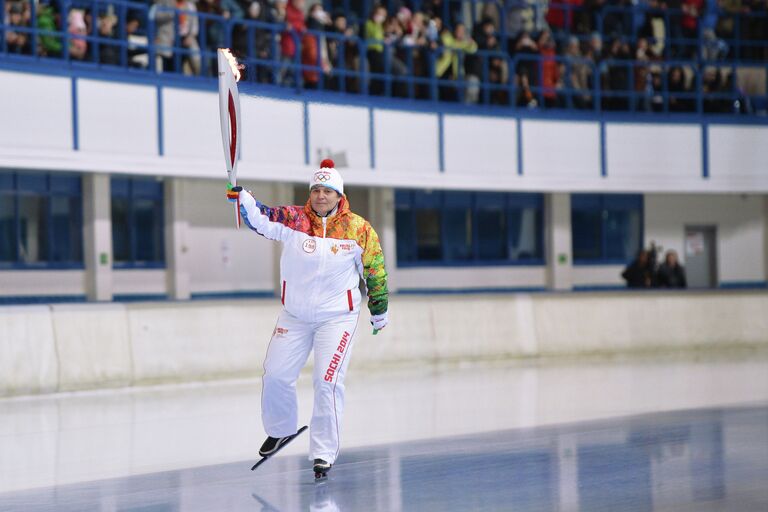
(137, 223)
(606, 228)
(41, 220)
(468, 228)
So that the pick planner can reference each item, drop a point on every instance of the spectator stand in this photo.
(652, 65)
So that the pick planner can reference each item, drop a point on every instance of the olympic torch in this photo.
(229, 115)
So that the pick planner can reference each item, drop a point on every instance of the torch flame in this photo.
(232, 63)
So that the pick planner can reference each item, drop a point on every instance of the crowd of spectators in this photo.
(644, 55)
(645, 272)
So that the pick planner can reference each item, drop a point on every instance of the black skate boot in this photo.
(272, 444)
(321, 469)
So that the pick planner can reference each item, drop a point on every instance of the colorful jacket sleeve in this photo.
(274, 223)
(374, 273)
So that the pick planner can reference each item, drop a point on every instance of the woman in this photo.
(326, 250)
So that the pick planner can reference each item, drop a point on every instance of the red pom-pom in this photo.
(327, 164)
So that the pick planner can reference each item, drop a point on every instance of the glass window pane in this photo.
(622, 233)
(6, 181)
(33, 224)
(403, 199)
(121, 234)
(67, 230)
(422, 199)
(586, 232)
(525, 234)
(586, 201)
(32, 182)
(148, 189)
(491, 234)
(120, 187)
(148, 217)
(64, 184)
(428, 240)
(458, 235)
(7, 229)
(406, 250)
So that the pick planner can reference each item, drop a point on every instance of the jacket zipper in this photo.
(321, 268)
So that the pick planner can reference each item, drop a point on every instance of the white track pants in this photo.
(288, 351)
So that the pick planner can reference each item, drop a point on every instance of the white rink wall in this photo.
(69, 347)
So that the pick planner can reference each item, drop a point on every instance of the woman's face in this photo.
(323, 199)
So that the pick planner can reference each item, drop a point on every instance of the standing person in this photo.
(640, 273)
(295, 27)
(671, 273)
(326, 250)
(374, 39)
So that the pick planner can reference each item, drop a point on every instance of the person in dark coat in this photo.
(639, 273)
(671, 274)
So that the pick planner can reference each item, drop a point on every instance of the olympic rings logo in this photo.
(322, 177)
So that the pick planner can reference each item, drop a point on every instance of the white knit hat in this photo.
(327, 176)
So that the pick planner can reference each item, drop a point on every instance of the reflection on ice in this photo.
(710, 459)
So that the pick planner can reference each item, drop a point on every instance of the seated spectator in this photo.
(692, 11)
(671, 274)
(313, 49)
(374, 38)
(561, 17)
(550, 71)
(527, 72)
(189, 28)
(519, 19)
(450, 65)
(677, 87)
(163, 14)
(578, 74)
(17, 15)
(214, 30)
(108, 53)
(640, 273)
(618, 76)
(416, 43)
(78, 46)
(343, 55)
(262, 11)
(713, 89)
(393, 37)
(50, 45)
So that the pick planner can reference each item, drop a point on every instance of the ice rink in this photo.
(631, 435)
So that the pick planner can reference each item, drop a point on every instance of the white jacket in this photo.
(323, 258)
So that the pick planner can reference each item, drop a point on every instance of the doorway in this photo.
(701, 256)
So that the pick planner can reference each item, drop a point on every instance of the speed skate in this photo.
(321, 469)
(283, 445)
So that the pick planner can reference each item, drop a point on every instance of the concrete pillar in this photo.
(283, 194)
(382, 218)
(177, 271)
(557, 218)
(97, 237)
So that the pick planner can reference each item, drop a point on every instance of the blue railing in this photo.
(727, 77)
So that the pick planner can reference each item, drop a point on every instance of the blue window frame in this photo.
(137, 223)
(468, 228)
(41, 220)
(606, 228)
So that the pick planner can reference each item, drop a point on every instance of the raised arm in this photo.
(274, 223)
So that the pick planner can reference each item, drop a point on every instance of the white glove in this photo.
(247, 200)
(379, 321)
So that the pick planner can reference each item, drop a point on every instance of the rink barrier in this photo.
(66, 347)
